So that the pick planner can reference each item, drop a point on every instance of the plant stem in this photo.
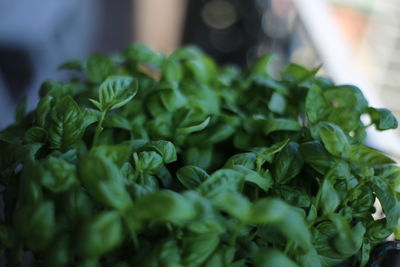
(99, 128)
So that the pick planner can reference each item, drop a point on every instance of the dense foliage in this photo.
(147, 160)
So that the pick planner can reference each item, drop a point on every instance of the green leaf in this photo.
(287, 219)
(42, 110)
(329, 198)
(264, 182)
(287, 164)
(378, 231)
(277, 103)
(165, 205)
(228, 74)
(30, 190)
(382, 118)
(165, 100)
(98, 67)
(172, 99)
(59, 253)
(58, 90)
(139, 53)
(148, 161)
(164, 253)
(247, 160)
(294, 195)
(322, 237)
(262, 64)
(77, 204)
(268, 257)
(104, 181)
(188, 116)
(160, 128)
(165, 148)
(348, 240)
(172, 71)
(365, 254)
(72, 65)
(273, 125)
(41, 216)
(348, 97)
(369, 156)
(66, 124)
(102, 234)
(194, 128)
(200, 70)
(309, 259)
(118, 154)
(388, 200)
(223, 256)
(266, 154)
(198, 247)
(115, 120)
(115, 92)
(295, 73)
(35, 135)
(191, 176)
(390, 173)
(364, 203)
(220, 181)
(317, 107)
(315, 154)
(57, 175)
(334, 139)
(270, 83)
(198, 156)
(234, 204)
(347, 105)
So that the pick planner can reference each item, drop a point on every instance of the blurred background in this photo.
(356, 41)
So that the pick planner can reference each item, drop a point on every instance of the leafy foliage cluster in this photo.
(149, 160)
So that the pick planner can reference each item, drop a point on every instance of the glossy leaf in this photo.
(389, 202)
(115, 92)
(367, 155)
(191, 176)
(273, 125)
(329, 198)
(317, 107)
(287, 164)
(383, 118)
(65, 124)
(334, 139)
(165, 148)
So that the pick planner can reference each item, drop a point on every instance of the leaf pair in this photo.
(115, 92)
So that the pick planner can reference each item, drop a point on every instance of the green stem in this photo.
(99, 128)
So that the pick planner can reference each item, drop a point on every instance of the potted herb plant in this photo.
(151, 160)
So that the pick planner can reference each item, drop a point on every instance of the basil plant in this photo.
(152, 160)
